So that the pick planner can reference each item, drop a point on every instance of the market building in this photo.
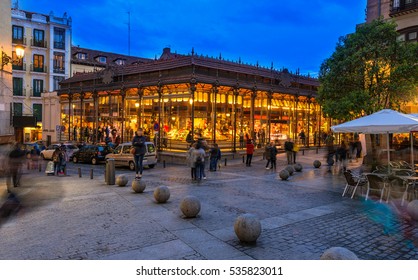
(219, 100)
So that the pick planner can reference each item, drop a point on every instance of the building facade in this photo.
(47, 43)
(222, 101)
(403, 12)
(6, 92)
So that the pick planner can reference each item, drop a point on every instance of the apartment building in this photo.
(46, 40)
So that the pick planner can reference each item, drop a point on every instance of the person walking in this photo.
(191, 160)
(273, 154)
(288, 147)
(342, 155)
(200, 161)
(267, 154)
(250, 152)
(15, 161)
(138, 142)
(215, 156)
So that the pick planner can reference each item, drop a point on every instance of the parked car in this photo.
(123, 157)
(91, 153)
(69, 149)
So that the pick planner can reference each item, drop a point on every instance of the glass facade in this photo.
(224, 117)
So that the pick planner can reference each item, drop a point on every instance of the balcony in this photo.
(38, 69)
(403, 7)
(35, 93)
(58, 70)
(19, 41)
(40, 44)
(19, 67)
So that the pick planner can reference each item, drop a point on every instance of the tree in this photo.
(369, 70)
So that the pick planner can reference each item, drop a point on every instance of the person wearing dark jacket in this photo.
(273, 154)
(138, 142)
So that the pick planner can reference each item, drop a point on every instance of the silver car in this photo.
(69, 150)
(123, 157)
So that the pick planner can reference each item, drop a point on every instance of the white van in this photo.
(123, 157)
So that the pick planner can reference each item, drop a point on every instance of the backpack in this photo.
(199, 159)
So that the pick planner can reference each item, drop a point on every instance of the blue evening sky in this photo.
(291, 34)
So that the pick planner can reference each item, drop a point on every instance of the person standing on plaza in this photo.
(199, 155)
(295, 151)
(138, 142)
(56, 158)
(273, 154)
(267, 154)
(215, 156)
(250, 152)
(15, 161)
(288, 147)
(241, 139)
(191, 160)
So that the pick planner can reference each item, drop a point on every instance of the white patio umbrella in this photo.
(383, 122)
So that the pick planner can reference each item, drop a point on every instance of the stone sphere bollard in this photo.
(162, 194)
(138, 186)
(190, 206)
(338, 253)
(412, 209)
(284, 174)
(290, 169)
(316, 163)
(298, 167)
(121, 180)
(247, 227)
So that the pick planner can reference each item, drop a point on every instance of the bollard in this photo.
(243, 159)
(91, 173)
(225, 161)
(65, 170)
(303, 152)
(163, 163)
(316, 149)
(110, 171)
(79, 172)
(40, 167)
(28, 165)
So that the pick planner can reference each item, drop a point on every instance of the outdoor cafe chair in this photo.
(376, 183)
(353, 181)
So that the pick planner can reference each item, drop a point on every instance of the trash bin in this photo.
(110, 171)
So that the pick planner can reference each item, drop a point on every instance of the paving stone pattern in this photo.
(79, 218)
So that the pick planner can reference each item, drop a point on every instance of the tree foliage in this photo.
(369, 70)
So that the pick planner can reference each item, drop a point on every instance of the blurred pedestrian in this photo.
(267, 154)
(191, 161)
(250, 152)
(273, 154)
(288, 147)
(56, 158)
(215, 156)
(16, 159)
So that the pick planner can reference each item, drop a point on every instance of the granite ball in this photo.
(247, 227)
(138, 186)
(298, 167)
(121, 180)
(316, 163)
(284, 174)
(290, 169)
(338, 253)
(161, 194)
(190, 206)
